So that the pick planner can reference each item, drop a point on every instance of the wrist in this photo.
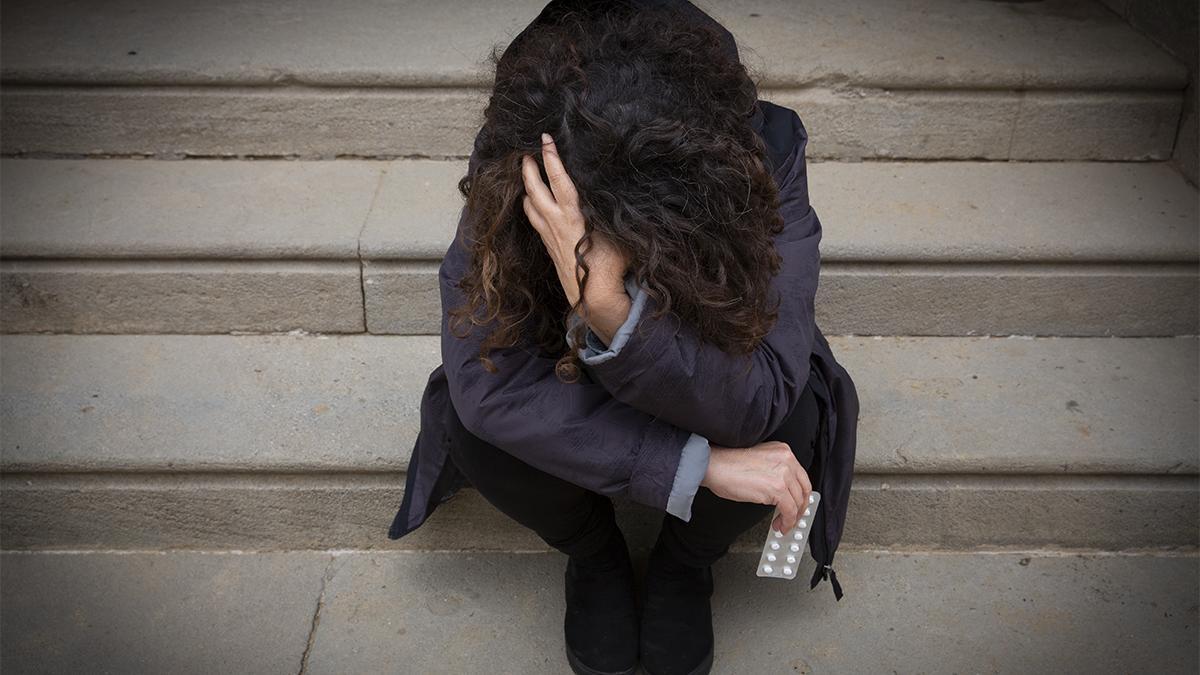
(607, 298)
(606, 310)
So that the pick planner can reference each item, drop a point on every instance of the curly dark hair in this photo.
(653, 121)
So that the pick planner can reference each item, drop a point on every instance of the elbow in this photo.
(763, 420)
(755, 425)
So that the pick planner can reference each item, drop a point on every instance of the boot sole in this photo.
(580, 668)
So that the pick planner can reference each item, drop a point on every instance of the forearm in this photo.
(670, 371)
(672, 374)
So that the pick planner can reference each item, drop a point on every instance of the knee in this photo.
(466, 449)
(800, 429)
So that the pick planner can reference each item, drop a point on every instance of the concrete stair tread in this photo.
(318, 404)
(936, 79)
(407, 210)
(128, 208)
(456, 611)
(933, 44)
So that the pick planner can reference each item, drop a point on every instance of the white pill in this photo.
(798, 536)
(771, 557)
(791, 560)
(795, 546)
(808, 512)
(802, 523)
(787, 570)
(767, 569)
(777, 533)
(775, 545)
(811, 499)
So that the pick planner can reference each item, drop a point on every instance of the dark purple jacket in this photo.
(622, 429)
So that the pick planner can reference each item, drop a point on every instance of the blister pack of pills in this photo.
(782, 553)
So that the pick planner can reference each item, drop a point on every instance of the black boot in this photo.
(676, 624)
(601, 622)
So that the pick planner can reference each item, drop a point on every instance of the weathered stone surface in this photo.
(1072, 212)
(930, 43)
(211, 246)
(113, 209)
(853, 123)
(201, 403)
(416, 210)
(269, 511)
(355, 611)
(1001, 212)
(180, 296)
(256, 121)
(1066, 300)
(910, 612)
(943, 248)
(1099, 126)
(402, 298)
(158, 612)
(939, 79)
(910, 299)
(1187, 144)
(211, 402)
(301, 442)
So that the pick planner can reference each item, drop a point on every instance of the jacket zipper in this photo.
(825, 569)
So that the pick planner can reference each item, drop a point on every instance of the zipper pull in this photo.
(837, 588)
(826, 572)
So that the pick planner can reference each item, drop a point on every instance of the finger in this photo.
(808, 488)
(560, 183)
(535, 187)
(535, 217)
(786, 502)
(797, 495)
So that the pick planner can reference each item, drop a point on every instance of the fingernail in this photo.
(546, 138)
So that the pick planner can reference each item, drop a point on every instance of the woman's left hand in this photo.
(554, 213)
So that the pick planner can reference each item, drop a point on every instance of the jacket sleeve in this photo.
(661, 366)
(575, 431)
(694, 461)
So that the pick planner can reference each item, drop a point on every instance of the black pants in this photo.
(577, 521)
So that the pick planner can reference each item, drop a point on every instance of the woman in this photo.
(638, 320)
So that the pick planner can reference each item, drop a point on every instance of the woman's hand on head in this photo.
(554, 212)
(767, 473)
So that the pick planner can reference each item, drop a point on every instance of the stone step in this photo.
(908, 248)
(470, 612)
(186, 441)
(939, 79)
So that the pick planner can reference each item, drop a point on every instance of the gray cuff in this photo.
(594, 350)
(693, 464)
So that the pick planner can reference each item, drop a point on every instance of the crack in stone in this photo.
(362, 264)
(326, 575)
